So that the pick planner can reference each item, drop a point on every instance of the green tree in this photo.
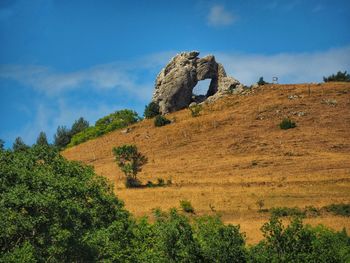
(151, 110)
(175, 238)
(2, 144)
(79, 125)
(219, 242)
(19, 145)
(62, 137)
(340, 76)
(42, 139)
(130, 161)
(56, 210)
(261, 81)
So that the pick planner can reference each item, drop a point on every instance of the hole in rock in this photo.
(202, 87)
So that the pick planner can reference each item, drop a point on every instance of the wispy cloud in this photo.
(219, 16)
(288, 67)
(116, 75)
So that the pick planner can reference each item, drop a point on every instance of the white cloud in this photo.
(219, 16)
(288, 67)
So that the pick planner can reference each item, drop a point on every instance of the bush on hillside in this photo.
(186, 206)
(287, 124)
(287, 211)
(340, 76)
(338, 209)
(195, 110)
(151, 110)
(160, 121)
(78, 126)
(117, 120)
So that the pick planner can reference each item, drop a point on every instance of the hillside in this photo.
(235, 154)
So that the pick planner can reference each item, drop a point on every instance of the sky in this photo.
(65, 59)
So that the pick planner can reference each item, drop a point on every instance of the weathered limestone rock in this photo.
(175, 82)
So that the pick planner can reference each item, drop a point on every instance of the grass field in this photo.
(235, 154)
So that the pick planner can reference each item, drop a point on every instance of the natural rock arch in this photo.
(174, 84)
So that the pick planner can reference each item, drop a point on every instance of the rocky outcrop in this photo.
(175, 82)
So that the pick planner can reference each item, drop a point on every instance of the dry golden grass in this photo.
(235, 154)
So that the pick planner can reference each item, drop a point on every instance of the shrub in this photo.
(286, 211)
(160, 182)
(151, 110)
(338, 209)
(287, 124)
(195, 110)
(2, 143)
(186, 206)
(260, 203)
(340, 76)
(130, 161)
(161, 121)
(261, 81)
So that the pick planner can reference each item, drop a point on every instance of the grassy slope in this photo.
(235, 154)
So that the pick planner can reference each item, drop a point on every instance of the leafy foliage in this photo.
(55, 209)
(161, 121)
(299, 243)
(340, 76)
(111, 122)
(219, 242)
(287, 124)
(19, 145)
(42, 139)
(151, 110)
(130, 161)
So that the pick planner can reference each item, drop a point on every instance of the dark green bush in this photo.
(340, 76)
(339, 209)
(186, 206)
(287, 124)
(151, 110)
(42, 139)
(161, 121)
(287, 211)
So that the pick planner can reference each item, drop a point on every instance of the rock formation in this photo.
(175, 82)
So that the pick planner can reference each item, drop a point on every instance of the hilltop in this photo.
(234, 154)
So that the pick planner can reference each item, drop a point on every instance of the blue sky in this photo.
(61, 59)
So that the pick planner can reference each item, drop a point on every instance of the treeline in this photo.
(81, 131)
(54, 210)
